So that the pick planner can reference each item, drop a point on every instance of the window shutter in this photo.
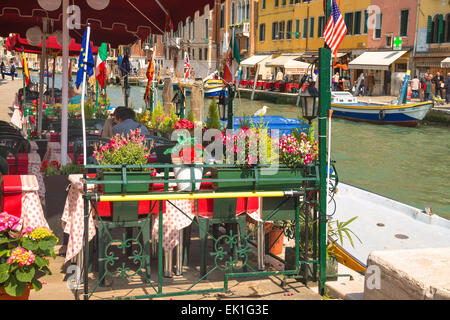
(430, 30)
(440, 37)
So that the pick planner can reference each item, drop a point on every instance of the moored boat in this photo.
(346, 106)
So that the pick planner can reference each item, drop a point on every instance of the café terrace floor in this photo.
(56, 287)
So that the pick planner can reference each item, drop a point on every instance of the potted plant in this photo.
(187, 152)
(24, 257)
(130, 150)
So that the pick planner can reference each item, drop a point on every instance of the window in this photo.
(193, 54)
(232, 13)
(404, 14)
(206, 53)
(291, 2)
(349, 22)
(281, 30)
(320, 27)
(378, 25)
(200, 54)
(389, 40)
(206, 28)
(297, 28)
(276, 3)
(222, 16)
(297, 1)
(311, 27)
(263, 4)
(274, 30)
(357, 22)
(193, 30)
(447, 23)
(262, 32)
(366, 19)
(305, 28)
(283, 3)
(289, 30)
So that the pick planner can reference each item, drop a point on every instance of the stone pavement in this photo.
(8, 90)
(244, 288)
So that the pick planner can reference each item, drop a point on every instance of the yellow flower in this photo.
(40, 233)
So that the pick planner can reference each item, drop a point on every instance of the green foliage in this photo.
(338, 231)
(212, 121)
(190, 115)
(131, 150)
(161, 121)
(24, 255)
(54, 168)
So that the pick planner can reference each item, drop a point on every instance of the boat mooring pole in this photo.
(324, 103)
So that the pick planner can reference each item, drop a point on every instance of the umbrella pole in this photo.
(65, 83)
(53, 79)
(41, 77)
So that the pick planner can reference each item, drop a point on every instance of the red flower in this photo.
(184, 124)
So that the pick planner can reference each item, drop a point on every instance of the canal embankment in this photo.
(438, 115)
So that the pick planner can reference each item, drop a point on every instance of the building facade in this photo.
(432, 43)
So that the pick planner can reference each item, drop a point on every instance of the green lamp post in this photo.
(324, 106)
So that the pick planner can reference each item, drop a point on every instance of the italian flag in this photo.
(232, 60)
(100, 69)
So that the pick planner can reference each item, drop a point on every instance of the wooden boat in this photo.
(213, 87)
(346, 106)
(385, 224)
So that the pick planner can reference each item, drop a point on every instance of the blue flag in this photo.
(90, 61)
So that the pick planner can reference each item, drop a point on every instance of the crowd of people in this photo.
(431, 85)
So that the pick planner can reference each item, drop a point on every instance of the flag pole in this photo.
(83, 89)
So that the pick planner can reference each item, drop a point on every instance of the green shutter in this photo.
(440, 36)
(430, 30)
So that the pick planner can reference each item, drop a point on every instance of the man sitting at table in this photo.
(125, 120)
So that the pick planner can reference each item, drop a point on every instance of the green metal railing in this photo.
(234, 265)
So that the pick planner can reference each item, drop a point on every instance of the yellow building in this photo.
(297, 26)
(432, 43)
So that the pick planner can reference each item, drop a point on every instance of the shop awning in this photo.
(253, 60)
(296, 67)
(445, 63)
(280, 61)
(375, 60)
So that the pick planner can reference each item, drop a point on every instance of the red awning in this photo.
(121, 22)
(20, 44)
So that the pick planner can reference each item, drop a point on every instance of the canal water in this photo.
(410, 165)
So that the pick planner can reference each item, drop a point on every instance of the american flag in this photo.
(335, 29)
(187, 66)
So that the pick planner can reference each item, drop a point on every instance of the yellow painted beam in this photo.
(206, 195)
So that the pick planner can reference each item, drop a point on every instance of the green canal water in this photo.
(410, 165)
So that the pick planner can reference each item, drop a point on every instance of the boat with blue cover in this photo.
(346, 106)
(284, 125)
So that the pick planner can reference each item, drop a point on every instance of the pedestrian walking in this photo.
(415, 86)
(447, 88)
(12, 70)
(438, 81)
(428, 88)
(2, 68)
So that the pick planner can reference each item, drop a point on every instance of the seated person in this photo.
(125, 119)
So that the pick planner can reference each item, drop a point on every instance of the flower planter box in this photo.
(130, 188)
(277, 183)
(262, 185)
(238, 174)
